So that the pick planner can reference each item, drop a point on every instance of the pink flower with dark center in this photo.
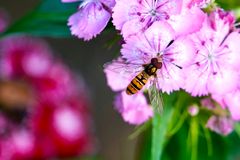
(31, 59)
(214, 69)
(64, 126)
(53, 120)
(137, 15)
(132, 17)
(154, 43)
(24, 55)
(91, 19)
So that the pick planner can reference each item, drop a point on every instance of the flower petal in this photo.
(134, 108)
(233, 102)
(221, 125)
(224, 82)
(89, 21)
(183, 23)
(122, 12)
(232, 42)
(119, 74)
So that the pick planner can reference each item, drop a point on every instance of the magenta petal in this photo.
(188, 21)
(134, 108)
(89, 21)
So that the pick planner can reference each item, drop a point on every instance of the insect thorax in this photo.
(150, 69)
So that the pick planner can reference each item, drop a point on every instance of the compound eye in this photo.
(154, 60)
(158, 65)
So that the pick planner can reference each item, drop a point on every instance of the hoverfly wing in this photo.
(123, 68)
(155, 96)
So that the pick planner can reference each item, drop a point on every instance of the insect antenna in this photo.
(170, 43)
(170, 61)
(176, 65)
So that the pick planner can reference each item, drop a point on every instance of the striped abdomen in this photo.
(137, 83)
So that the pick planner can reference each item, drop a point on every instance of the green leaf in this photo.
(229, 4)
(160, 125)
(143, 149)
(48, 19)
(140, 129)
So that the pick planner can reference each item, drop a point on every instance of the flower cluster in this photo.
(44, 114)
(198, 51)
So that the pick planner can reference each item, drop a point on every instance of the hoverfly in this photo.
(143, 73)
(141, 79)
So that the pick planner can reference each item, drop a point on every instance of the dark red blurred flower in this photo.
(54, 121)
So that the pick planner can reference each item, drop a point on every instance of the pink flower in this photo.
(91, 19)
(140, 49)
(134, 109)
(31, 59)
(214, 69)
(24, 56)
(57, 122)
(57, 85)
(220, 18)
(208, 103)
(183, 23)
(65, 127)
(220, 125)
(18, 146)
(132, 17)
(232, 102)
